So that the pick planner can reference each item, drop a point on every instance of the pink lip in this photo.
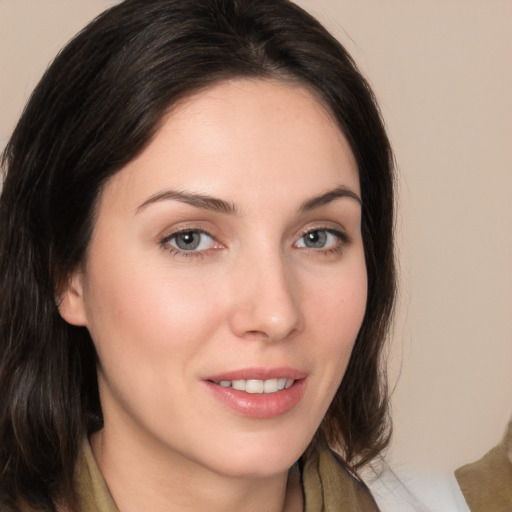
(258, 374)
(259, 405)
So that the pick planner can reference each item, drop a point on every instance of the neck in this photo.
(169, 482)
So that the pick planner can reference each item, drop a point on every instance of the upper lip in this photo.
(258, 374)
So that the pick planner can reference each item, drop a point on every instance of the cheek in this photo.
(149, 331)
(337, 310)
(144, 314)
(338, 307)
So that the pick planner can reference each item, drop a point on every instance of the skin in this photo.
(253, 294)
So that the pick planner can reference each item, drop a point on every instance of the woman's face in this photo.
(226, 262)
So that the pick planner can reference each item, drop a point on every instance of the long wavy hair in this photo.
(96, 108)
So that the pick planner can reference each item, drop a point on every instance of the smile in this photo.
(260, 393)
(258, 386)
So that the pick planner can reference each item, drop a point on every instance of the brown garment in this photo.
(93, 492)
(328, 487)
(487, 483)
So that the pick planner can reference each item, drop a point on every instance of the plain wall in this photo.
(441, 71)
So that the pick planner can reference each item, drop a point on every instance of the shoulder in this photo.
(487, 483)
(329, 485)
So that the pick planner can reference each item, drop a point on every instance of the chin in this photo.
(259, 458)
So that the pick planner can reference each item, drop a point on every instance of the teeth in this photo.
(258, 386)
(254, 386)
(238, 384)
(270, 386)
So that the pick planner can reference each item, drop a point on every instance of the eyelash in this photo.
(175, 251)
(344, 240)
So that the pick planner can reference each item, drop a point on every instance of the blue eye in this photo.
(190, 240)
(320, 239)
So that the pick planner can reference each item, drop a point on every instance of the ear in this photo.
(71, 300)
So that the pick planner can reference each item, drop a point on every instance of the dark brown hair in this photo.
(95, 109)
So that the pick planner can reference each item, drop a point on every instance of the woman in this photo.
(197, 267)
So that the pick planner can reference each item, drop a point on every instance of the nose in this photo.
(266, 303)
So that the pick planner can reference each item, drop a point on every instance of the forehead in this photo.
(244, 138)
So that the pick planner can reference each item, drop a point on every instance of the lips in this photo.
(259, 393)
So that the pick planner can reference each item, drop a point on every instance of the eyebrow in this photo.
(221, 206)
(198, 200)
(328, 197)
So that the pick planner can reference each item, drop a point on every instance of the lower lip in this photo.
(260, 405)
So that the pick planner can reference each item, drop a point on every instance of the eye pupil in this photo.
(315, 239)
(188, 241)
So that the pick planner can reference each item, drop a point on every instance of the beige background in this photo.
(441, 70)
